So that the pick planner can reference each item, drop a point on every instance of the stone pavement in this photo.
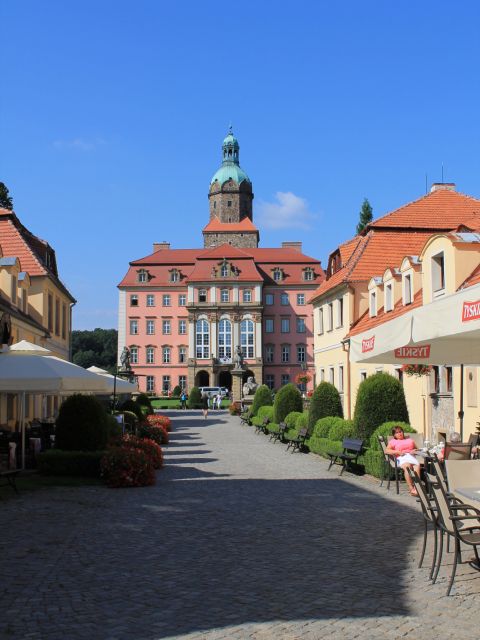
(239, 539)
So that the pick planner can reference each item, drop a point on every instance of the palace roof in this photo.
(244, 225)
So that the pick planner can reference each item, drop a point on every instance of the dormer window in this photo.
(308, 274)
(438, 274)
(407, 289)
(224, 270)
(143, 275)
(388, 298)
(278, 275)
(373, 304)
(174, 275)
(202, 295)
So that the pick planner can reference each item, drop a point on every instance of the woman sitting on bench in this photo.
(402, 448)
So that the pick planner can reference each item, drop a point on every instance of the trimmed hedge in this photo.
(262, 398)
(385, 429)
(55, 462)
(342, 429)
(133, 407)
(322, 446)
(322, 427)
(380, 399)
(302, 421)
(288, 399)
(82, 424)
(144, 401)
(194, 398)
(291, 422)
(177, 392)
(325, 402)
(263, 412)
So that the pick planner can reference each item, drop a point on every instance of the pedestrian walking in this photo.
(183, 399)
(219, 401)
(205, 404)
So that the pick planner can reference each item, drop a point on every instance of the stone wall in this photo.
(245, 240)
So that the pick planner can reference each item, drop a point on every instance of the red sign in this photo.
(471, 311)
(413, 352)
(368, 344)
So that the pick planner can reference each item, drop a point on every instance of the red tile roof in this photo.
(365, 322)
(224, 251)
(247, 271)
(230, 227)
(473, 278)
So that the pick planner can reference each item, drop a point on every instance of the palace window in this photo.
(202, 339)
(269, 326)
(247, 295)
(331, 375)
(320, 320)
(134, 355)
(285, 379)
(182, 382)
(308, 274)
(340, 379)
(150, 355)
(224, 339)
(133, 327)
(284, 299)
(150, 384)
(247, 337)
(166, 327)
(330, 316)
(269, 353)
(301, 327)
(224, 270)
(300, 298)
(182, 354)
(277, 275)
(166, 355)
(285, 325)
(182, 327)
(166, 385)
(174, 275)
(270, 381)
(224, 295)
(134, 300)
(182, 300)
(340, 312)
(301, 353)
(269, 299)
(150, 327)
(166, 300)
(143, 276)
(202, 295)
(285, 353)
(150, 300)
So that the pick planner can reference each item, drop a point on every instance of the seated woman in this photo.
(403, 448)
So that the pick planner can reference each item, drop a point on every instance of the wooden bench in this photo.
(279, 434)
(262, 426)
(351, 450)
(10, 477)
(298, 443)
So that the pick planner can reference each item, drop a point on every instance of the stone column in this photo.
(191, 336)
(258, 336)
(237, 383)
(213, 335)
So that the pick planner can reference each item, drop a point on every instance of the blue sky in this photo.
(113, 113)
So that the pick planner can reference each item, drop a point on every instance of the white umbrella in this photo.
(117, 384)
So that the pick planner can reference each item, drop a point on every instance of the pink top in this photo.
(407, 444)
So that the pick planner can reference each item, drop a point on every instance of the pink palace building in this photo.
(183, 312)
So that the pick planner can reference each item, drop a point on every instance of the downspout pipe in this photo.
(348, 403)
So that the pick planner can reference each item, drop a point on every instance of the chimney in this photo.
(161, 246)
(295, 246)
(442, 186)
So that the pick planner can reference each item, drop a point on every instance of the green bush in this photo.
(380, 399)
(262, 398)
(133, 407)
(177, 391)
(291, 422)
(385, 430)
(194, 398)
(70, 463)
(322, 427)
(302, 421)
(266, 412)
(373, 462)
(144, 401)
(82, 424)
(288, 399)
(323, 446)
(325, 402)
(342, 429)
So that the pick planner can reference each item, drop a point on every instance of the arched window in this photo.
(224, 339)
(202, 339)
(247, 338)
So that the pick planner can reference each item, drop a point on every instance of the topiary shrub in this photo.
(302, 421)
(325, 402)
(262, 398)
(127, 467)
(341, 429)
(82, 424)
(287, 399)
(144, 401)
(133, 407)
(194, 399)
(322, 427)
(69, 463)
(159, 421)
(157, 433)
(177, 391)
(380, 398)
(385, 430)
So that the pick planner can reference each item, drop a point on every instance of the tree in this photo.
(380, 398)
(366, 215)
(97, 347)
(5, 199)
(287, 399)
(325, 403)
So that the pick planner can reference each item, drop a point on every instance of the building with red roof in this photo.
(183, 312)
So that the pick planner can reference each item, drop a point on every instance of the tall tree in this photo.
(97, 347)
(366, 215)
(5, 199)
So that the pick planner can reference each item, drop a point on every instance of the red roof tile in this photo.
(473, 278)
(247, 271)
(365, 322)
(230, 227)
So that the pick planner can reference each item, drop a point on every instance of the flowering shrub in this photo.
(127, 467)
(235, 409)
(150, 447)
(416, 369)
(310, 393)
(160, 421)
(156, 433)
(303, 378)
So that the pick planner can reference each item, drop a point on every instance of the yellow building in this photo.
(401, 261)
(34, 304)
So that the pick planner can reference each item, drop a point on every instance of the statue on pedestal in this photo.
(238, 358)
(125, 359)
(250, 386)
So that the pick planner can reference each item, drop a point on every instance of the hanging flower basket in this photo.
(417, 370)
(302, 378)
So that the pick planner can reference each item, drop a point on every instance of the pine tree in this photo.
(366, 215)
(5, 199)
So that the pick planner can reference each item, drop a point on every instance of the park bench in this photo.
(298, 442)
(10, 477)
(262, 426)
(351, 450)
(279, 432)
(246, 417)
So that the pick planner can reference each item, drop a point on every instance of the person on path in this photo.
(403, 448)
(219, 401)
(205, 404)
(183, 399)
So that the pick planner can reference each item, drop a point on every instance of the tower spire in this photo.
(230, 148)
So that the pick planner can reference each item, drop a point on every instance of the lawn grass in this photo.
(35, 481)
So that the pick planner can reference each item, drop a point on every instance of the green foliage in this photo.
(97, 347)
(70, 463)
(325, 402)
(380, 398)
(266, 412)
(302, 421)
(263, 396)
(323, 426)
(342, 429)
(82, 424)
(127, 467)
(385, 429)
(133, 407)
(373, 463)
(291, 422)
(5, 198)
(144, 401)
(287, 399)
(177, 391)
(323, 446)
(194, 398)
(365, 217)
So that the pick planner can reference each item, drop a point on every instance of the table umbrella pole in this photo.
(22, 426)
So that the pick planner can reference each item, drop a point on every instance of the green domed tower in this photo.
(230, 198)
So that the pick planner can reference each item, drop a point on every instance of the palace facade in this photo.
(183, 312)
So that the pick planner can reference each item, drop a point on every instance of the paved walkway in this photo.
(239, 539)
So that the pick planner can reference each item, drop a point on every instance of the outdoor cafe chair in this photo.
(460, 521)
(389, 464)
(463, 474)
(458, 451)
(429, 512)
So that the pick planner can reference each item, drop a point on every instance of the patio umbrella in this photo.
(27, 368)
(117, 384)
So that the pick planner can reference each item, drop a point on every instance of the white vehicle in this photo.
(210, 391)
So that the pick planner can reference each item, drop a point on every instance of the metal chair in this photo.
(458, 451)
(430, 516)
(389, 463)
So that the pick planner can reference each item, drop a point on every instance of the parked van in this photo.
(213, 391)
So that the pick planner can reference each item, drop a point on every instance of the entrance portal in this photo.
(225, 379)
(202, 379)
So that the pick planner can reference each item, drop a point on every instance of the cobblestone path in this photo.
(238, 539)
